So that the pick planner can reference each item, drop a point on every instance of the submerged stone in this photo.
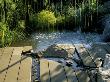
(59, 50)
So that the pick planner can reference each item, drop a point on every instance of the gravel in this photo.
(35, 70)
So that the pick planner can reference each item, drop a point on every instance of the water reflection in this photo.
(43, 40)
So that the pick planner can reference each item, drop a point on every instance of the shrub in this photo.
(46, 19)
(8, 36)
(21, 25)
(60, 19)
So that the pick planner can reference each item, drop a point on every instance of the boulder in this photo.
(59, 50)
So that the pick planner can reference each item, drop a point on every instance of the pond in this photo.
(41, 40)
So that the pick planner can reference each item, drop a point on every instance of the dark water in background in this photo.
(42, 40)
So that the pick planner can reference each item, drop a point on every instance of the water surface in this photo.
(42, 40)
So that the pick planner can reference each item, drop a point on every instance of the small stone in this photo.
(98, 62)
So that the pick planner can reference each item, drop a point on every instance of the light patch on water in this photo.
(43, 40)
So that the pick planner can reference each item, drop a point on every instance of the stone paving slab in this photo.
(85, 56)
(83, 76)
(44, 71)
(25, 67)
(1, 51)
(27, 48)
(25, 70)
(98, 50)
(57, 72)
(4, 62)
(71, 75)
(13, 66)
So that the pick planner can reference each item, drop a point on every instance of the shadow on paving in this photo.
(59, 73)
(9, 66)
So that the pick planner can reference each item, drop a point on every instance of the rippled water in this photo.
(43, 40)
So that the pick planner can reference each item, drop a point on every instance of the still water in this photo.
(42, 40)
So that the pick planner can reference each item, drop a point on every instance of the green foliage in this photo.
(71, 11)
(7, 36)
(46, 2)
(46, 19)
(78, 13)
(21, 25)
(18, 17)
(6, 7)
(60, 19)
(12, 21)
(33, 20)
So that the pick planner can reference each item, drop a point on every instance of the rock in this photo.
(59, 50)
(27, 52)
(69, 63)
(98, 62)
(106, 32)
(105, 71)
(107, 61)
(39, 55)
(59, 61)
